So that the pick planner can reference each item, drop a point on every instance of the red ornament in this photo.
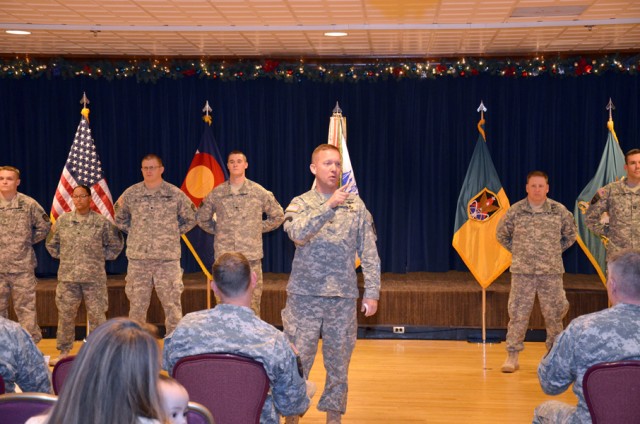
(270, 65)
(189, 72)
(474, 72)
(509, 71)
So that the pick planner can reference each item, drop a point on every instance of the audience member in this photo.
(605, 336)
(175, 399)
(114, 379)
(232, 327)
(21, 362)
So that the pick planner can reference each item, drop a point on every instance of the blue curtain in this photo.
(410, 143)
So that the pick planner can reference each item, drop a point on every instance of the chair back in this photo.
(60, 372)
(17, 408)
(198, 414)
(612, 392)
(234, 388)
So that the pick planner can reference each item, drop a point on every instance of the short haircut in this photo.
(10, 168)
(236, 152)
(625, 267)
(538, 174)
(232, 274)
(321, 148)
(152, 156)
(630, 153)
(84, 187)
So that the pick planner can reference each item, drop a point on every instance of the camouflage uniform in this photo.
(322, 289)
(20, 360)
(82, 243)
(536, 239)
(623, 206)
(237, 330)
(154, 221)
(238, 225)
(23, 223)
(609, 335)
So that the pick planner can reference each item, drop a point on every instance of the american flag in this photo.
(83, 167)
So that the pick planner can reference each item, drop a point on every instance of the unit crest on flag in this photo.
(483, 205)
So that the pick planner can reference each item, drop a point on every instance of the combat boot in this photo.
(511, 364)
(334, 417)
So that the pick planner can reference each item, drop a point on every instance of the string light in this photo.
(152, 70)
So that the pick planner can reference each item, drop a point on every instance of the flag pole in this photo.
(482, 108)
(484, 315)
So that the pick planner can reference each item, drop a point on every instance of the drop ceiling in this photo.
(295, 28)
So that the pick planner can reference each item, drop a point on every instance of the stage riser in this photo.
(442, 300)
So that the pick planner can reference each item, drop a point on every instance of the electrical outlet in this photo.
(398, 330)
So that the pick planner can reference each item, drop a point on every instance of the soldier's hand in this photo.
(339, 196)
(369, 307)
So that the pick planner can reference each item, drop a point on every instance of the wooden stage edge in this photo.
(427, 305)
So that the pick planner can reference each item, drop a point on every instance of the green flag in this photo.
(481, 205)
(611, 168)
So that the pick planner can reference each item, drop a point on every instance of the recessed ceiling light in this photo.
(335, 34)
(17, 32)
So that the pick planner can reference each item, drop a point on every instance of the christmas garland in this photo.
(337, 70)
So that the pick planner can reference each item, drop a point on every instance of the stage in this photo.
(424, 305)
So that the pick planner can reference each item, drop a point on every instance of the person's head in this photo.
(114, 378)
(632, 165)
(232, 278)
(152, 169)
(326, 165)
(175, 399)
(9, 180)
(82, 199)
(537, 187)
(237, 164)
(623, 277)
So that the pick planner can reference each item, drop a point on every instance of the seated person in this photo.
(114, 379)
(232, 327)
(605, 336)
(21, 362)
(175, 399)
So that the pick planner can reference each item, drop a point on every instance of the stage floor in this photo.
(430, 381)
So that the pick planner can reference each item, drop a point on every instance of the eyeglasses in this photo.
(150, 168)
(80, 196)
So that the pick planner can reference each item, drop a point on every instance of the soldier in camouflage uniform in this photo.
(329, 226)
(20, 360)
(614, 212)
(232, 327)
(82, 240)
(23, 223)
(154, 214)
(238, 205)
(605, 336)
(536, 230)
